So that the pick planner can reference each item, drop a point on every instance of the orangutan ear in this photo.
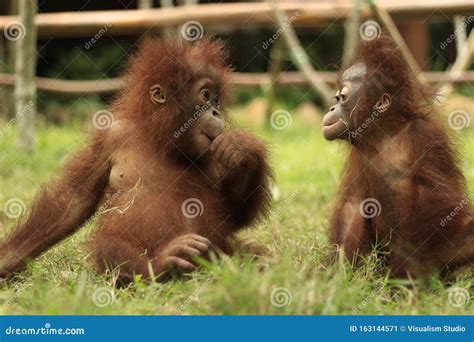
(157, 94)
(383, 103)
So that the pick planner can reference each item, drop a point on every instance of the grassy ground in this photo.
(290, 280)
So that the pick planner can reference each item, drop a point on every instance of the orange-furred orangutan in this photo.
(402, 188)
(172, 180)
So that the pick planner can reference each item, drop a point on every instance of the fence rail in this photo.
(239, 80)
(127, 22)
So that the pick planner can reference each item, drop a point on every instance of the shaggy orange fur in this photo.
(164, 198)
(402, 160)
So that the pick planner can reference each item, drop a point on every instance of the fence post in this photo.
(3, 68)
(25, 70)
(145, 4)
(276, 62)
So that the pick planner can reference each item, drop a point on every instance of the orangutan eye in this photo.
(206, 94)
(344, 92)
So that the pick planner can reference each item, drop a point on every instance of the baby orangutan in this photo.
(402, 188)
(173, 182)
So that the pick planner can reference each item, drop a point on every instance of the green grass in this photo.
(307, 169)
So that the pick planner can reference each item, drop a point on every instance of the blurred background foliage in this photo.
(70, 59)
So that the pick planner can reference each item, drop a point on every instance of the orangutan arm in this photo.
(60, 208)
(247, 175)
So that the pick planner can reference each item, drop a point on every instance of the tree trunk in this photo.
(25, 70)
